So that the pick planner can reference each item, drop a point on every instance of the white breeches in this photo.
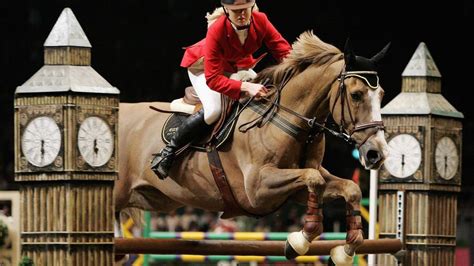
(211, 100)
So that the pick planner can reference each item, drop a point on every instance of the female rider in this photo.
(228, 47)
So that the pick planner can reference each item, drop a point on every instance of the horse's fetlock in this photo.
(355, 237)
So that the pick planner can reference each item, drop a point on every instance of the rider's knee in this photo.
(212, 114)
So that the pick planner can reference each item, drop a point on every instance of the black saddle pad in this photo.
(174, 120)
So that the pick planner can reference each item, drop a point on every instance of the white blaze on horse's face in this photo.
(364, 103)
(374, 148)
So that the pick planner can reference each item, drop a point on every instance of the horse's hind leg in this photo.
(121, 197)
(122, 258)
(335, 188)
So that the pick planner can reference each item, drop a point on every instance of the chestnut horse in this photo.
(266, 166)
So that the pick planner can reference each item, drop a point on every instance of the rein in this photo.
(312, 122)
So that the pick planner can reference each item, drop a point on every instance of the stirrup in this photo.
(156, 160)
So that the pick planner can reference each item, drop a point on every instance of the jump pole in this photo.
(241, 247)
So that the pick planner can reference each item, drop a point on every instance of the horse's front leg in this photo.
(298, 242)
(338, 187)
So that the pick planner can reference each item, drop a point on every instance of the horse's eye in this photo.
(356, 96)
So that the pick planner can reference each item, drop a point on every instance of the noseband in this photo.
(342, 93)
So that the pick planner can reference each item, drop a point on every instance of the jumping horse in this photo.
(276, 161)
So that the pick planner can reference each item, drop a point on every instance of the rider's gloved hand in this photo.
(253, 90)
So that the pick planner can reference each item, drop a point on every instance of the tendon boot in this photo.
(192, 127)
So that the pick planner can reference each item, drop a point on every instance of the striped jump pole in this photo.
(241, 259)
(255, 236)
(241, 247)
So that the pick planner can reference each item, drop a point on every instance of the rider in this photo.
(228, 47)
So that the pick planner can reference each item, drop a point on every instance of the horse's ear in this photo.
(349, 56)
(380, 55)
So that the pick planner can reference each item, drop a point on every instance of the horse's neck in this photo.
(308, 94)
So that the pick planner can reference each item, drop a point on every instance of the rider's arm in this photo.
(277, 45)
(214, 67)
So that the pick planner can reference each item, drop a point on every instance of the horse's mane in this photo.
(307, 50)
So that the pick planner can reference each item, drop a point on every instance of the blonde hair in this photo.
(217, 13)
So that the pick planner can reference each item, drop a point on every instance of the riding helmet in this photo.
(237, 4)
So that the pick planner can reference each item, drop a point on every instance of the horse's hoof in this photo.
(330, 262)
(340, 257)
(121, 259)
(296, 245)
(290, 253)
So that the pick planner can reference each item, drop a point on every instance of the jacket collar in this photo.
(234, 38)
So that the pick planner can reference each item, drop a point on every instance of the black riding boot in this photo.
(191, 128)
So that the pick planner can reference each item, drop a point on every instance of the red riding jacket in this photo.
(223, 52)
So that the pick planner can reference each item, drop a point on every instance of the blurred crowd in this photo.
(189, 219)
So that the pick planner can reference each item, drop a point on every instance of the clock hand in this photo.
(445, 164)
(42, 148)
(403, 163)
(96, 148)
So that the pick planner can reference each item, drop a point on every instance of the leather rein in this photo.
(316, 128)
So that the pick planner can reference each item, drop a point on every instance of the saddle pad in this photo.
(174, 120)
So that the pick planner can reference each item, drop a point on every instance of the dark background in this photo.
(136, 46)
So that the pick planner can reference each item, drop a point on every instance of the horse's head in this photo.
(355, 105)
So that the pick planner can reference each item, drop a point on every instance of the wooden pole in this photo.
(237, 247)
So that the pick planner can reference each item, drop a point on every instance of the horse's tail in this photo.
(137, 216)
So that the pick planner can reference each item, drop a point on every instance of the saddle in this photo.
(221, 130)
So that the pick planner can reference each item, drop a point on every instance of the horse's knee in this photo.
(352, 191)
(313, 179)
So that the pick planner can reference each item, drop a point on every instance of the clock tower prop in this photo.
(421, 177)
(66, 119)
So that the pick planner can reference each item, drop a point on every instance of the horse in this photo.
(266, 166)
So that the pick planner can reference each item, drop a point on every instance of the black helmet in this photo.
(237, 4)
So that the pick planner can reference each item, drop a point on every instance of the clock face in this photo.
(446, 158)
(41, 141)
(95, 141)
(404, 156)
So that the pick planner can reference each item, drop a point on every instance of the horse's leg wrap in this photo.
(313, 220)
(355, 236)
(344, 255)
(298, 242)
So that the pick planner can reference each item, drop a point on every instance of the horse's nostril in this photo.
(373, 156)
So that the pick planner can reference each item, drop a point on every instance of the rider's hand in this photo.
(254, 89)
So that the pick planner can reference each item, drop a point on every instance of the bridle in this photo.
(342, 93)
(316, 128)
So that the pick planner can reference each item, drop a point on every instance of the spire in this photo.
(67, 59)
(421, 73)
(67, 32)
(421, 89)
(67, 43)
(421, 64)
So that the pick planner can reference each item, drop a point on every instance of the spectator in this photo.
(225, 225)
(173, 222)
(187, 218)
